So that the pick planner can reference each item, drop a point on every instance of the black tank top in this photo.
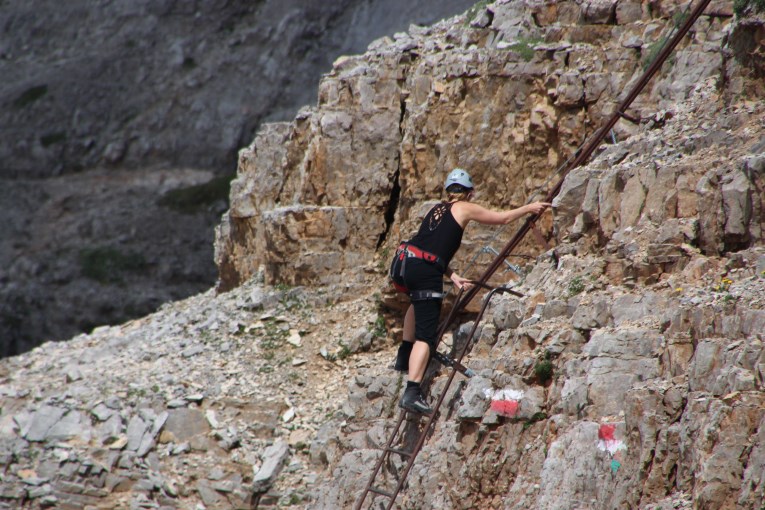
(439, 232)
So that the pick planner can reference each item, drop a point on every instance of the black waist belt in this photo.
(406, 251)
(425, 295)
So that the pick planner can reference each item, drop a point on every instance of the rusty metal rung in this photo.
(630, 118)
(381, 492)
(403, 453)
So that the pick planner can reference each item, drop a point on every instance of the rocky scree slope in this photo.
(211, 402)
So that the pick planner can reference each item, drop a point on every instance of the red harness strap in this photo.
(399, 288)
(412, 251)
(405, 251)
(409, 250)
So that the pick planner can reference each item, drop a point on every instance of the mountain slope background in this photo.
(119, 127)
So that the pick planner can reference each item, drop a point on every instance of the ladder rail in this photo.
(386, 451)
(378, 465)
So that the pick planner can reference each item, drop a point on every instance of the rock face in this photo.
(631, 374)
(105, 108)
(508, 92)
(658, 239)
(651, 339)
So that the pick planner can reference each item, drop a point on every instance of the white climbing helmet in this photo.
(459, 176)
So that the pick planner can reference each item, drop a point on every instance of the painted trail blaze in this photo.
(505, 402)
(507, 408)
(608, 442)
(606, 432)
(607, 439)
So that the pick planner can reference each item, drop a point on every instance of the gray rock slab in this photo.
(109, 430)
(192, 351)
(181, 448)
(72, 425)
(592, 316)
(34, 480)
(39, 492)
(102, 412)
(11, 491)
(474, 402)
(186, 423)
(136, 429)
(21, 421)
(754, 476)
(574, 468)
(573, 397)
(635, 307)
(149, 438)
(609, 380)
(624, 344)
(113, 403)
(72, 373)
(210, 496)
(507, 313)
(555, 308)
(274, 459)
(737, 191)
(41, 422)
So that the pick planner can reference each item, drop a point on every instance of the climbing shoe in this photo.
(402, 358)
(414, 401)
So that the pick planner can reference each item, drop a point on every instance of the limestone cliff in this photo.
(673, 203)
(509, 93)
(631, 376)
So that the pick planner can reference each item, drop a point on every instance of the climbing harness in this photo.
(463, 298)
(398, 266)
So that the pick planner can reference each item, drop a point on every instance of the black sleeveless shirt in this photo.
(439, 232)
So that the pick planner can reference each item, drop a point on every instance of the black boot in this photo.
(413, 400)
(402, 358)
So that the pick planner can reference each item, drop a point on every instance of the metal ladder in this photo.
(463, 298)
(430, 421)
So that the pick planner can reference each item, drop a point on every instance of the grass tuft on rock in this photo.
(742, 8)
(197, 198)
(543, 370)
(108, 265)
(30, 95)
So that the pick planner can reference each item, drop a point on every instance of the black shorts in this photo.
(421, 275)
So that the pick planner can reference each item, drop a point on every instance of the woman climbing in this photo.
(418, 269)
